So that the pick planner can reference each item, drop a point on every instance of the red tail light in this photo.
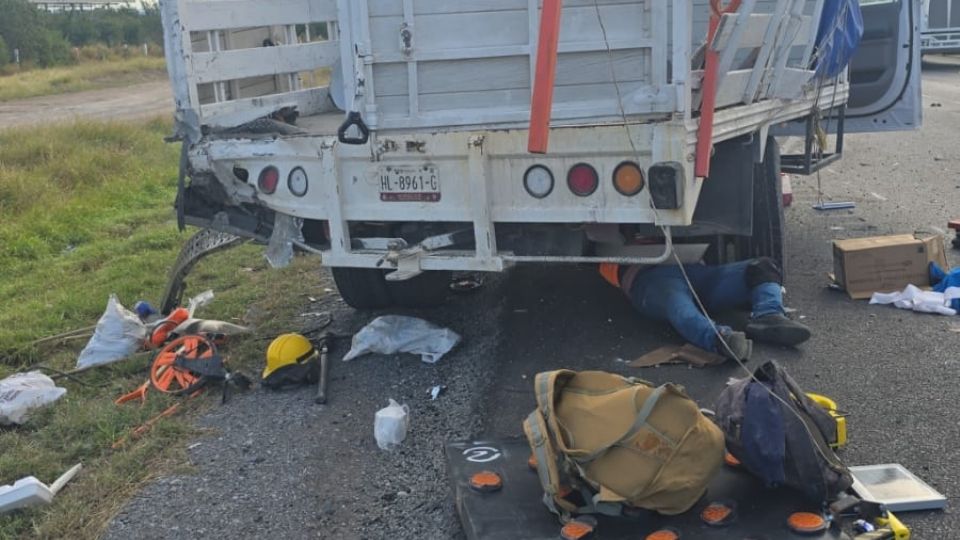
(582, 179)
(269, 179)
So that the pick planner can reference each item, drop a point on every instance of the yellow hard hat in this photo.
(287, 350)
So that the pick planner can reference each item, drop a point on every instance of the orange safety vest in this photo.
(611, 273)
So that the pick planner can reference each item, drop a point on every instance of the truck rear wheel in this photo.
(362, 288)
(429, 289)
(367, 288)
(769, 234)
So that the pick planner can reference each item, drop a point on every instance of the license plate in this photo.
(409, 184)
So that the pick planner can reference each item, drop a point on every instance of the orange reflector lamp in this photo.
(532, 462)
(806, 523)
(664, 534)
(717, 514)
(576, 530)
(628, 179)
(731, 460)
(486, 481)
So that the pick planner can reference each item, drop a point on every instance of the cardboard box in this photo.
(863, 266)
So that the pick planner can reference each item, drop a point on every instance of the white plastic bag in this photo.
(394, 333)
(119, 334)
(25, 391)
(390, 425)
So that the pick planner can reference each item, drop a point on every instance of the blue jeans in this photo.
(661, 293)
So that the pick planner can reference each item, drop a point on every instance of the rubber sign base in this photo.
(517, 510)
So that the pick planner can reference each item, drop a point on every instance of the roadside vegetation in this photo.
(44, 53)
(87, 211)
(85, 76)
(46, 39)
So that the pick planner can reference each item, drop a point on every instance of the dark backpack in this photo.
(784, 443)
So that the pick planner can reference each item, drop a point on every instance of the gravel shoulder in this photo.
(275, 465)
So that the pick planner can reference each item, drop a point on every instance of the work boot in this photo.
(738, 346)
(778, 330)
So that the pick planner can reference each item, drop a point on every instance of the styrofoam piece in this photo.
(29, 491)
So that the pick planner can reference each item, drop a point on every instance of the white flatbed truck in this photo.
(389, 137)
(940, 27)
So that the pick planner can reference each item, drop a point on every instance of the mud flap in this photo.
(201, 244)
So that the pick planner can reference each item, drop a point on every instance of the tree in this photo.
(53, 49)
(4, 53)
(19, 25)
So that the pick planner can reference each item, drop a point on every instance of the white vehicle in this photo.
(940, 27)
(390, 137)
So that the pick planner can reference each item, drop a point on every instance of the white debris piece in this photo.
(390, 425)
(395, 333)
(23, 392)
(917, 299)
(29, 491)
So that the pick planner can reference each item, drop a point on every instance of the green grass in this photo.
(83, 76)
(87, 211)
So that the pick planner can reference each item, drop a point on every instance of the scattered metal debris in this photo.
(436, 391)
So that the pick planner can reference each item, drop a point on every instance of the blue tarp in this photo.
(841, 29)
(943, 280)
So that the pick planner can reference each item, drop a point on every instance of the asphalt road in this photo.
(278, 466)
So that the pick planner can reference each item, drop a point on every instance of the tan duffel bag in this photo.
(619, 442)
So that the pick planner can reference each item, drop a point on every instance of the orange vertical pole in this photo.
(542, 102)
(708, 90)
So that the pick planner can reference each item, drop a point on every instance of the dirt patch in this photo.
(132, 102)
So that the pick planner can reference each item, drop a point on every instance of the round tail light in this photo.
(628, 179)
(538, 181)
(582, 180)
(269, 179)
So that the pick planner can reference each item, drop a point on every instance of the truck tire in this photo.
(769, 234)
(362, 288)
(429, 289)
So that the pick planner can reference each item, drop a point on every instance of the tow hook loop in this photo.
(354, 120)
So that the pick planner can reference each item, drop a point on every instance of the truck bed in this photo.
(458, 65)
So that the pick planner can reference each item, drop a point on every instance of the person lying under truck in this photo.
(661, 293)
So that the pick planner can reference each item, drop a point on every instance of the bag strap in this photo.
(548, 473)
(641, 420)
(548, 470)
(543, 389)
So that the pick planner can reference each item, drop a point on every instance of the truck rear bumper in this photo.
(474, 181)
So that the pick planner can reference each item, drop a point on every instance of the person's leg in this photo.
(757, 282)
(768, 322)
(721, 287)
(662, 294)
